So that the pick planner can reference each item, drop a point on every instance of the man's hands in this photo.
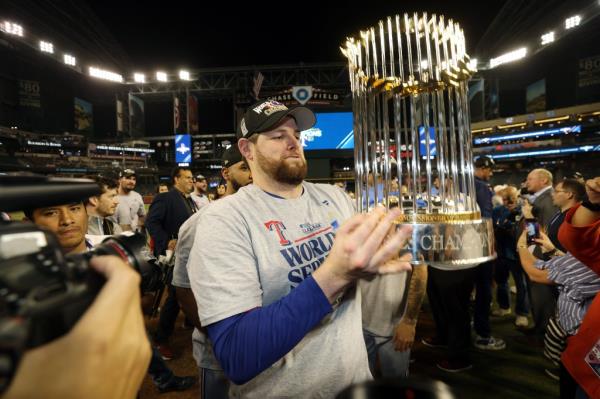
(171, 245)
(527, 210)
(545, 242)
(365, 244)
(105, 355)
(404, 335)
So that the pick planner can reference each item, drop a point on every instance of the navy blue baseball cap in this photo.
(484, 162)
(231, 156)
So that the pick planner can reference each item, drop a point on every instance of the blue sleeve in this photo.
(248, 343)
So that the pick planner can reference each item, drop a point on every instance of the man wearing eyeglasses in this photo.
(566, 195)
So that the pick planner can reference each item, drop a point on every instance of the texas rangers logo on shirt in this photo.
(304, 247)
(278, 227)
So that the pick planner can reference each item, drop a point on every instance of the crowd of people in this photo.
(291, 293)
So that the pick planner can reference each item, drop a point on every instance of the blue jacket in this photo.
(484, 197)
(506, 227)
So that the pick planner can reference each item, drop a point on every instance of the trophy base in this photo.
(451, 246)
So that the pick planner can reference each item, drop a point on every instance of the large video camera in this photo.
(43, 293)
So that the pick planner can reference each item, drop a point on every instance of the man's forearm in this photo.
(186, 300)
(416, 294)
(528, 261)
(248, 343)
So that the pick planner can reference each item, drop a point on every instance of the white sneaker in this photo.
(491, 343)
(501, 312)
(521, 321)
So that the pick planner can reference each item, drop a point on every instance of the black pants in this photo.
(449, 293)
(483, 297)
(543, 305)
(168, 316)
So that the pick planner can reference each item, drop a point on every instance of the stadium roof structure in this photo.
(69, 24)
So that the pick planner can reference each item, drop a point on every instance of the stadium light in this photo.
(184, 75)
(161, 76)
(12, 28)
(572, 22)
(69, 59)
(139, 77)
(508, 57)
(46, 47)
(547, 38)
(106, 75)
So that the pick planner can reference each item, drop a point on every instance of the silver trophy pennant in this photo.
(412, 143)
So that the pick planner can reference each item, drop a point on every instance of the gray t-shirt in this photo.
(201, 344)
(383, 302)
(96, 226)
(250, 250)
(199, 200)
(130, 208)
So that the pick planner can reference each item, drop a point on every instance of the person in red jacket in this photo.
(580, 234)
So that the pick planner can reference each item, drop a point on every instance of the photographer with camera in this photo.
(69, 223)
(92, 361)
(68, 324)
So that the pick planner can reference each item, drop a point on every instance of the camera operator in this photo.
(92, 361)
(69, 223)
(81, 362)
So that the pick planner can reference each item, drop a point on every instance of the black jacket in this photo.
(167, 213)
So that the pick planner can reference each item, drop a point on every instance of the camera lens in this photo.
(132, 249)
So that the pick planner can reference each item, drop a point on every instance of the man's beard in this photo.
(282, 171)
(236, 185)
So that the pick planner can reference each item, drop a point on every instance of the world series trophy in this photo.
(412, 136)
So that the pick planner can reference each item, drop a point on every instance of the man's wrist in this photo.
(408, 321)
(330, 282)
